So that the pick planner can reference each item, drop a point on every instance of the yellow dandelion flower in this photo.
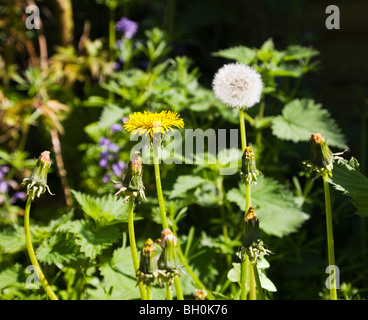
(151, 123)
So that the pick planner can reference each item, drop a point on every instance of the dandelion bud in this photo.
(249, 172)
(252, 243)
(147, 271)
(320, 157)
(36, 184)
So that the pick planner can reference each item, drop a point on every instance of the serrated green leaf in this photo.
(274, 204)
(59, 249)
(92, 239)
(12, 239)
(240, 54)
(297, 52)
(352, 183)
(10, 277)
(184, 184)
(301, 118)
(110, 115)
(105, 210)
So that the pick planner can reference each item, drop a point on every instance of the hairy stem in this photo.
(32, 255)
(330, 239)
(133, 246)
(161, 204)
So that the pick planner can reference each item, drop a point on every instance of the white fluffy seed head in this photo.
(237, 85)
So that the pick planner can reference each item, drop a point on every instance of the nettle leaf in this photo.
(352, 183)
(10, 277)
(274, 204)
(240, 54)
(185, 183)
(104, 210)
(300, 118)
(59, 249)
(92, 239)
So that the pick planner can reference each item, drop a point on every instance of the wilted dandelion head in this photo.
(151, 123)
(237, 85)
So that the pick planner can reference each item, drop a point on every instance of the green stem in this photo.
(258, 282)
(32, 254)
(260, 117)
(242, 129)
(243, 292)
(160, 195)
(168, 292)
(252, 283)
(133, 246)
(161, 203)
(148, 292)
(330, 239)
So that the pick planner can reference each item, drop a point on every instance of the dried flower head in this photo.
(320, 157)
(168, 263)
(253, 245)
(249, 172)
(238, 85)
(133, 180)
(153, 124)
(36, 184)
(148, 272)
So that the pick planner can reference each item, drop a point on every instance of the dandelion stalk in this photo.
(36, 185)
(239, 86)
(321, 160)
(133, 246)
(164, 222)
(330, 239)
(32, 255)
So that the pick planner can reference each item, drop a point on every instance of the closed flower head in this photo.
(320, 157)
(153, 124)
(238, 85)
(147, 272)
(36, 184)
(249, 172)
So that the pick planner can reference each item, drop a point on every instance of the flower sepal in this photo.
(36, 183)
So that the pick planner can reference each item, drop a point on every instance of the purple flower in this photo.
(106, 178)
(125, 119)
(127, 26)
(3, 187)
(18, 196)
(113, 147)
(103, 163)
(116, 127)
(104, 141)
(119, 168)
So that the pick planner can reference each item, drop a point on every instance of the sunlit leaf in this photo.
(301, 118)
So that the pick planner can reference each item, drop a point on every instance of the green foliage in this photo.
(274, 204)
(347, 179)
(301, 117)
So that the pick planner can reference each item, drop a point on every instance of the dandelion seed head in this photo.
(237, 85)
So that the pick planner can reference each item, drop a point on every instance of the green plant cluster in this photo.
(80, 235)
